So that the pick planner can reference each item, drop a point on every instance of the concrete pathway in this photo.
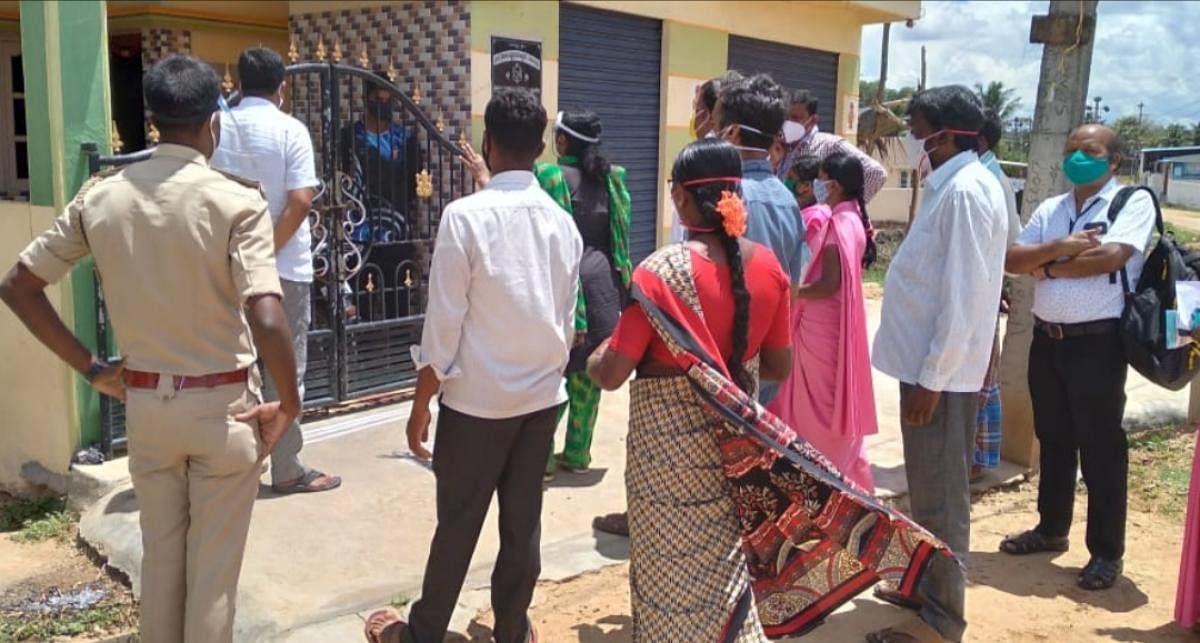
(315, 563)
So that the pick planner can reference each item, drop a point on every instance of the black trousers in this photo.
(472, 459)
(1078, 390)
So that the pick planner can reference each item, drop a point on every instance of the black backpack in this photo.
(1143, 322)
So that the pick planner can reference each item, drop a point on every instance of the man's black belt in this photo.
(1063, 331)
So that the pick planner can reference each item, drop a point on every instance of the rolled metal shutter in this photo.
(792, 67)
(611, 64)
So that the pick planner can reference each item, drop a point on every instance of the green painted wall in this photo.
(695, 52)
(65, 54)
(536, 19)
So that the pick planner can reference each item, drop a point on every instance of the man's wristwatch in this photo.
(94, 370)
(1046, 271)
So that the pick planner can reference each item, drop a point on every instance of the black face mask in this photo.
(380, 110)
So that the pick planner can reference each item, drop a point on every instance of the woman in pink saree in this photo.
(829, 398)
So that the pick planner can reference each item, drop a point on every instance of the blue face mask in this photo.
(1082, 169)
(820, 192)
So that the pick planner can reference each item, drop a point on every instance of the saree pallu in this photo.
(810, 539)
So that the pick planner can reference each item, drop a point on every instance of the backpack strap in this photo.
(1118, 203)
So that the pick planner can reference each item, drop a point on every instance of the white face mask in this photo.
(744, 148)
(793, 131)
(914, 149)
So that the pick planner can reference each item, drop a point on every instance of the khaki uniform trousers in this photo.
(195, 473)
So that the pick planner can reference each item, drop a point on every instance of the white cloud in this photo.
(1144, 52)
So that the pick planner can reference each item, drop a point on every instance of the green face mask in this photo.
(791, 184)
(1082, 169)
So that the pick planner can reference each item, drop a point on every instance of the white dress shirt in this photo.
(1074, 301)
(939, 298)
(263, 144)
(502, 293)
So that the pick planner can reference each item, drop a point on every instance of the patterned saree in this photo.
(739, 529)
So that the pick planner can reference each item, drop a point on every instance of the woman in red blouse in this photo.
(736, 298)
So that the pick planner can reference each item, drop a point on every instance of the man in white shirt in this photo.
(498, 332)
(939, 318)
(261, 143)
(1076, 365)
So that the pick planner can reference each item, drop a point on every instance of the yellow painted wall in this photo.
(219, 46)
(525, 19)
(817, 25)
(36, 392)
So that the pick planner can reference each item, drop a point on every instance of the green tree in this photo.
(867, 89)
(1176, 135)
(1134, 134)
(1000, 99)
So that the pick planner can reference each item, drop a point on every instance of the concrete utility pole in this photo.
(1067, 33)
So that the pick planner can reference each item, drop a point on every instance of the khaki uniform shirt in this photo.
(179, 247)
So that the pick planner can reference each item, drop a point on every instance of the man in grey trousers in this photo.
(935, 337)
(261, 143)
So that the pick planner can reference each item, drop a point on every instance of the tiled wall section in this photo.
(158, 43)
(428, 42)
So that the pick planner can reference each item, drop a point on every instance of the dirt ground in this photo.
(37, 574)
(1009, 600)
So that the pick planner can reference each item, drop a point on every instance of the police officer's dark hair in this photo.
(951, 107)
(181, 92)
(806, 168)
(805, 98)
(992, 129)
(516, 121)
(756, 101)
(260, 71)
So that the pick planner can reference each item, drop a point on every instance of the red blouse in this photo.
(770, 319)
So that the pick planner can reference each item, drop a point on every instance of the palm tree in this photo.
(999, 99)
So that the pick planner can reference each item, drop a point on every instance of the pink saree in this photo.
(829, 398)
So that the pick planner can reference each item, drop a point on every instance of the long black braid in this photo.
(713, 158)
(847, 170)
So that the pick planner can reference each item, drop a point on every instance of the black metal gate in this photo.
(385, 179)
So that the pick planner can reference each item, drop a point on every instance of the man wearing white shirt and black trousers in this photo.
(935, 337)
(1077, 366)
(498, 332)
(261, 143)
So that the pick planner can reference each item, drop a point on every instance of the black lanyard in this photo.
(1074, 220)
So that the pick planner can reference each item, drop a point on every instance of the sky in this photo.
(1144, 52)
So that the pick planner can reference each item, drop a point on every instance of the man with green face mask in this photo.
(1076, 365)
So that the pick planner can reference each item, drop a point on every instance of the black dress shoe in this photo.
(1100, 573)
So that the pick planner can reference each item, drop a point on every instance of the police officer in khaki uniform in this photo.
(186, 258)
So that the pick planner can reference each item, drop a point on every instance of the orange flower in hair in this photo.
(733, 213)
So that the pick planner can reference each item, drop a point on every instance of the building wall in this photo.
(1183, 192)
(426, 41)
(39, 420)
(695, 48)
(691, 55)
(525, 19)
